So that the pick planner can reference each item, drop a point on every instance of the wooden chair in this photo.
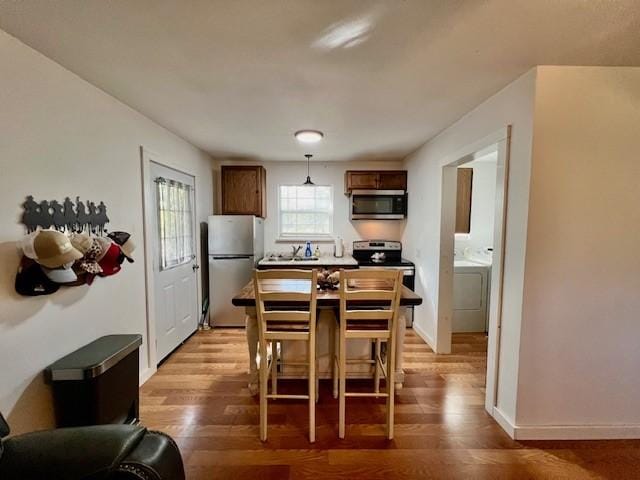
(369, 304)
(274, 326)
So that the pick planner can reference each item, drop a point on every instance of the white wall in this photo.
(569, 350)
(325, 173)
(483, 203)
(511, 106)
(580, 349)
(62, 137)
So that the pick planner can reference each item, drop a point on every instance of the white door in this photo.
(175, 260)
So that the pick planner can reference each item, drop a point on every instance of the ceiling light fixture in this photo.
(308, 182)
(309, 136)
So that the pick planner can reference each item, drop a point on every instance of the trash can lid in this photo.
(93, 359)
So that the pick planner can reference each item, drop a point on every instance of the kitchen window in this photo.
(305, 212)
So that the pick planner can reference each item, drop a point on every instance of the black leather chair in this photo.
(103, 452)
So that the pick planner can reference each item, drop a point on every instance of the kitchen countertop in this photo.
(323, 261)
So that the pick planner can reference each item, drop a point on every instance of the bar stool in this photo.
(274, 326)
(369, 301)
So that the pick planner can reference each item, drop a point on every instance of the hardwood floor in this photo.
(200, 397)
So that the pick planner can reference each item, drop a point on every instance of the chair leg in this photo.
(342, 373)
(317, 369)
(317, 382)
(336, 360)
(377, 359)
(312, 390)
(274, 367)
(391, 386)
(264, 379)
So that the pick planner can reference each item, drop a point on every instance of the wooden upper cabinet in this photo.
(361, 180)
(375, 180)
(463, 201)
(392, 180)
(244, 190)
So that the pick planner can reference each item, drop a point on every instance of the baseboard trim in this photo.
(505, 422)
(565, 432)
(145, 375)
(577, 432)
(424, 336)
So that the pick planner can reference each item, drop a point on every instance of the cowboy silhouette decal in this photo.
(69, 216)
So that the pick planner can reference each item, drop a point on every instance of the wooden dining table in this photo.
(328, 302)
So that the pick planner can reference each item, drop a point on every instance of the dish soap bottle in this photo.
(307, 251)
(316, 252)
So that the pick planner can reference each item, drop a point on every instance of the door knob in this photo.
(195, 267)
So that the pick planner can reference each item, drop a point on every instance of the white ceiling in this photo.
(238, 77)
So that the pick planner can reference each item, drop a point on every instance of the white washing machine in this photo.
(470, 296)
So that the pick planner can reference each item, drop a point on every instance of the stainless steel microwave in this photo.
(378, 204)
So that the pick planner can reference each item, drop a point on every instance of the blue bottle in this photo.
(307, 251)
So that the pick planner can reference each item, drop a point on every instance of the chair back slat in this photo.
(286, 316)
(372, 274)
(370, 295)
(368, 314)
(284, 274)
(284, 296)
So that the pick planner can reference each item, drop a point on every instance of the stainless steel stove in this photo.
(386, 254)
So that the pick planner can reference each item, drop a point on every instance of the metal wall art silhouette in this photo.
(68, 215)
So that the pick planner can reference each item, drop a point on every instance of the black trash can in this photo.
(98, 383)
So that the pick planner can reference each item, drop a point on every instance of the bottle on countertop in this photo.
(316, 252)
(307, 251)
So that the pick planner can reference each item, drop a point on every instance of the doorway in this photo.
(171, 258)
(496, 145)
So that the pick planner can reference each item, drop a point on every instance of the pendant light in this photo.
(308, 182)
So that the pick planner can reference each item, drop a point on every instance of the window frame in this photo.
(162, 267)
(301, 237)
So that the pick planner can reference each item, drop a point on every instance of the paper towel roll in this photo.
(338, 249)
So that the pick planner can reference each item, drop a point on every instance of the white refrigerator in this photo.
(236, 244)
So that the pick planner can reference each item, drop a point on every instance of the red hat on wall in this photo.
(110, 262)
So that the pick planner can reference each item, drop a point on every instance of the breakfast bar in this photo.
(328, 304)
